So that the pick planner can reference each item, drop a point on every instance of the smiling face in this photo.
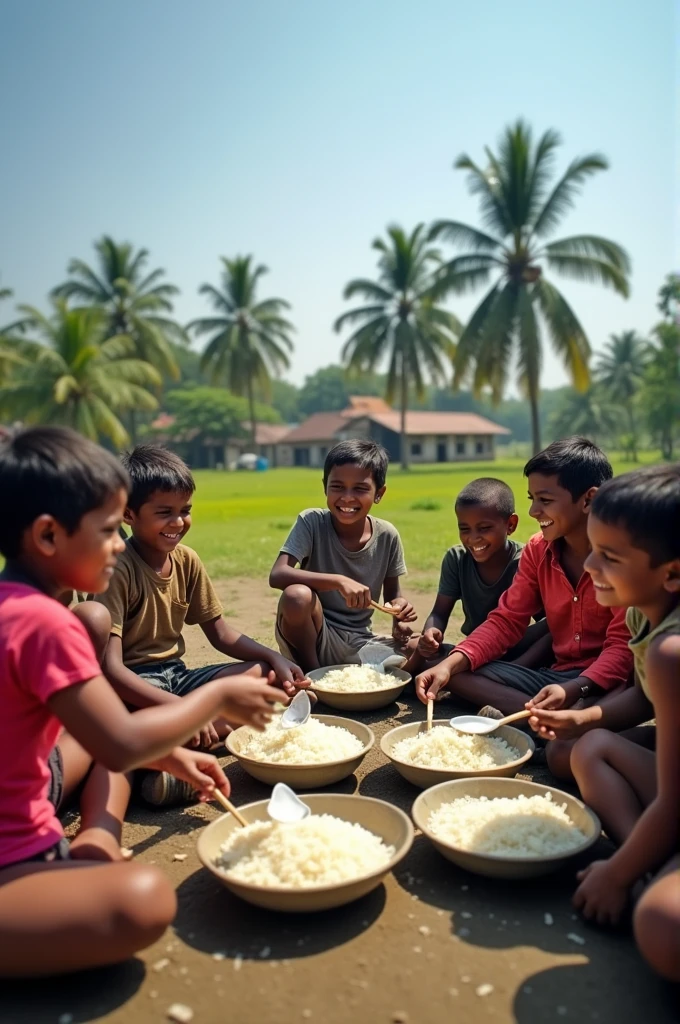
(554, 509)
(351, 493)
(85, 559)
(483, 532)
(622, 574)
(162, 521)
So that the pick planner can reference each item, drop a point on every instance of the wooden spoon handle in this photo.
(384, 608)
(228, 806)
(515, 718)
(430, 714)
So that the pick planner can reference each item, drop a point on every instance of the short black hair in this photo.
(52, 471)
(359, 452)
(645, 503)
(153, 468)
(487, 492)
(577, 463)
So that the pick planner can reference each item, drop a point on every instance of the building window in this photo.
(323, 452)
(460, 447)
(479, 446)
(301, 457)
(416, 448)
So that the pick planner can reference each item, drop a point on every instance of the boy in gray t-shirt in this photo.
(346, 557)
(476, 572)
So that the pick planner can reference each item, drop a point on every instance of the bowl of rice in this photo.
(342, 851)
(358, 687)
(505, 828)
(426, 759)
(324, 750)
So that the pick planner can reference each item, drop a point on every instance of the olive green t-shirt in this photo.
(148, 611)
(642, 637)
(460, 580)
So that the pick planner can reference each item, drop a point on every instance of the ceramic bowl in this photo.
(369, 700)
(425, 777)
(384, 820)
(304, 776)
(494, 865)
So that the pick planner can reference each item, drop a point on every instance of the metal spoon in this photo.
(297, 712)
(480, 726)
(285, 806)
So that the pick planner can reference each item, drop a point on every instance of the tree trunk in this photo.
(535, 421)
(633, 434)
(404, 406)
(251, 410)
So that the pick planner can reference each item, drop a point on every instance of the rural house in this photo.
(432, 436)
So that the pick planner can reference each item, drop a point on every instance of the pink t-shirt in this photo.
(43, 649)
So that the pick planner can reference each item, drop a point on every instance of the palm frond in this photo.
(457, 233)
(562, 197)
(587, 268)
(568, 337)
(591, 245)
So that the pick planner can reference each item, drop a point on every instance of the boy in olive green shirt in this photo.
(158, 586)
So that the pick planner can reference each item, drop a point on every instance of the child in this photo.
(347, 557)
(475, 572)
(635, 562)
(61, 913)
(589, 641)
(158, 586)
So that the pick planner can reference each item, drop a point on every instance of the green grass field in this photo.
(241, 519)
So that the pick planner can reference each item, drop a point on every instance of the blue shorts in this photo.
(174, 676)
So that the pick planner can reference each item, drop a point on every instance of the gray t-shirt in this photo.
(461, 581)
(317, 547)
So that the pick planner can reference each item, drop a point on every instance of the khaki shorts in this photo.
(334, 646)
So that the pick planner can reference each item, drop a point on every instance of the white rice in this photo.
(521, 826)
(356, 679)
(319, 850)
(446, 748)
(311, 743)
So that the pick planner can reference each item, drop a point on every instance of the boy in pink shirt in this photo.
(67, 909)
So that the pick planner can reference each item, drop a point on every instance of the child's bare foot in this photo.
(97, 844)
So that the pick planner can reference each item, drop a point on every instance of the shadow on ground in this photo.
(78, 997)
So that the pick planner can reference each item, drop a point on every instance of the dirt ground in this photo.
(415, 951)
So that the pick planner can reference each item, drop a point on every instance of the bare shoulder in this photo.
(663, 660)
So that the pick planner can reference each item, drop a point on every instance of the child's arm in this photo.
(138, 693)
(229, 641)
(621, 711)
(285, 574)
(504, 627)
(604, 887)
(95, 715)
(434, 629)
(401, 631)
(540, 652)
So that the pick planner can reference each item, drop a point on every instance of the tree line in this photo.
(110, 350)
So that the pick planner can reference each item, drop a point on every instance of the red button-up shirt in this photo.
(585, 634)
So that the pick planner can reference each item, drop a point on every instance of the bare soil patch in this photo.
(416, 951)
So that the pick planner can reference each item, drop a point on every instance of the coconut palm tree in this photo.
(69, 372)
(249, 340)
(520, 209)
(588, 413)
(136, 301)
(620, 371)
(401, 322)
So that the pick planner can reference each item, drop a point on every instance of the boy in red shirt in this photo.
(67, 909)
(590, 642)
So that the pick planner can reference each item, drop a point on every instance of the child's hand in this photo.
(560, 725)
(251, 701)
(206, 738)
(430, 642)
(288, 674)
(202, 771)
(430, 682)
(356, 595)
(600, 896)
(550, 698)
(407, 612)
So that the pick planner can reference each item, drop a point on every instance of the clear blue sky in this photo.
(298, 129)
